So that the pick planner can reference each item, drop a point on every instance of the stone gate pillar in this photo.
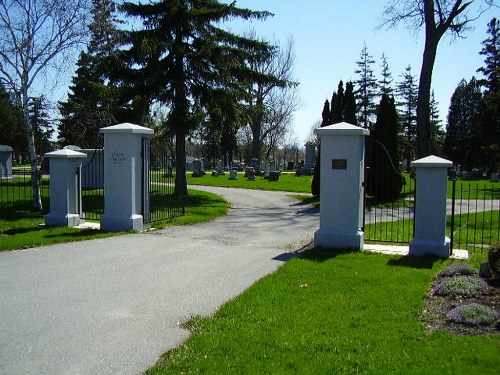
(430, 208)
(341, 187)
(6, 161)
(65, 189)
(123, 177)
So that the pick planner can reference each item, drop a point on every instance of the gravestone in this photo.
(169, 169)
(6, 161)
(197, 168)
(308, 167)
(255, 164)
(250, 173)
(494, 177)
(220, 170)
(233, 174)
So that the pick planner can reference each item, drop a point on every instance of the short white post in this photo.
(430, 208)
(341, 187)
(65, 194)
(123, 177)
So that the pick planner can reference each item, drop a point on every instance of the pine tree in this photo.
(407, 92)
(38, 109)
(385, 83)
(366, 89)
(92, 101)
(326, 120)
(12, 132)
(461, 142)
(437, 133)
(350, 104)
(384, 179)
(185, 60)
(489, 129)
(326, 114)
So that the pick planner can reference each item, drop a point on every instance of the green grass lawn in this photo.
(286, 182)
(331, 313)
(19, 233)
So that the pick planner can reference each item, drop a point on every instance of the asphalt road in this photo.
(112, 306)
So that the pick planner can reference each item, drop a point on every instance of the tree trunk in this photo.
(424, 95)
(180, 169)
(35, 182)
(256, 144)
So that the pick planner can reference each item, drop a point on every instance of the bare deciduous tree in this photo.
(272, 105)
(35, 36)
(437, 17)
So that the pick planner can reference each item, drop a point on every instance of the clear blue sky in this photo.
(329, 36)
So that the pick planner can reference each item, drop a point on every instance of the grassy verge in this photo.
(20, 233)
(331, 313)
(286, 182)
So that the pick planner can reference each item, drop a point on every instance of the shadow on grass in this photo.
(319, 254)
(22, 230)
(422, 262)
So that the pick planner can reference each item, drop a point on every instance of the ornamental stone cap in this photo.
(65, 154)
(342, 128)
(431, 161)
(6, 148)
(126, 128)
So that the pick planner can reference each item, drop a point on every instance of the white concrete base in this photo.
(420, 247)
(405, 250)
(116, 224)
(336, 239)
(69, 220)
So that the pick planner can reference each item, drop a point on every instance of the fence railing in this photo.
(16, 194)
(474, 214)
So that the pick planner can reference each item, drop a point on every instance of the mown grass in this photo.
(25, 232)
(286, 182)
(331, 313)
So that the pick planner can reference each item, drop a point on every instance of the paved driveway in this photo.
(112, 306)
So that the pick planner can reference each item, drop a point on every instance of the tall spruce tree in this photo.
(385, 81)
(461, 140)
(185, 60)
(92, 101)
(326, 116)
(489, 129)
(384, 179)
(437, 132)
(366, 89)
(12, 132)
(407, 92)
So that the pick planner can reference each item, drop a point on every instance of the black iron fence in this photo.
(390, 221)
(91, 178)
(17, 196)
(474, 214)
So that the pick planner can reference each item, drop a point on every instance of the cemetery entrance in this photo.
(389, 198)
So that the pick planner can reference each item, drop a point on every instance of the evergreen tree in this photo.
(326, 120)
(407, 92)
(325, 114)
(12, 132)
(337, 104)
(92, 101)
(350, 104)
(489, 127)
(461, 142)
(437, 133)
(366, 89)
(385, 83)
(38, 109)
(185, 60)
(384, 179)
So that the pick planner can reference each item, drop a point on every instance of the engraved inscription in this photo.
(118, 158)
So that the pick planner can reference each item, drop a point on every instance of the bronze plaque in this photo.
(339, 163)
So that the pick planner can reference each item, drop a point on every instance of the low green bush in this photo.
(460, 286)
(458, 269)
(473, 314)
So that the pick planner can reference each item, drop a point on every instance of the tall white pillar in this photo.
(65, 194)
(341, 187)
(430, 208)
(123, 177)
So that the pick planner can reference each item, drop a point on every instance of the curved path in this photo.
(112, 306)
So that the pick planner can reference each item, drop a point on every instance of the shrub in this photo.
(494, 259)
(458, 269)
(460, 286)
(473, 314)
